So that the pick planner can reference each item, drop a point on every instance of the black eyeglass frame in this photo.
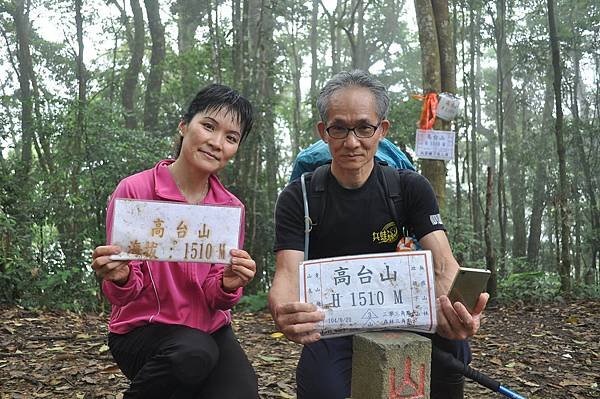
(353, 130)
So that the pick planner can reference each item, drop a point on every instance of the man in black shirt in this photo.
(353, 108)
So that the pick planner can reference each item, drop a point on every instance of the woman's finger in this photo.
(104, 265)
(244, 278)
(105, 250)
(240, 253)
(246, 262)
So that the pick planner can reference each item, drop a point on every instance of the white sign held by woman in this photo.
(175, 232)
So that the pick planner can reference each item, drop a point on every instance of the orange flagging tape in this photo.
(430, 101)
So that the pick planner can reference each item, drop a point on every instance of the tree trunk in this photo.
(135, 65)
(22, 179)
(314, 69)
(502, 217)
(334, 22)
(189, 16)
(490, 259)
(113, 71)
(582, 158)
(433, 170)
(296, 116)
(246, 53)
(236, 50)
(74, 242)
(295, 66)
(565, 263)
(155, 77)
(457, 127)
(445, 42)
(577, 252)
(473, 89)
(22, 28)
(538, 201)
(259, 158)
(513, 140)
(213, 28)
(556, 226)
(358, 46)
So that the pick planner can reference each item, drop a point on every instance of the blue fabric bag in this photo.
(317, 154)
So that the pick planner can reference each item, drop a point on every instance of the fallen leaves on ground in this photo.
(544, 351)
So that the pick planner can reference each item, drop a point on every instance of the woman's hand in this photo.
(240, 272)
(116, 271)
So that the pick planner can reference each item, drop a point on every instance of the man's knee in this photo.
(452, 388)
(324, 389)
(245, 387)
(325, 369)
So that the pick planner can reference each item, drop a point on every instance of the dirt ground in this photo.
(544, 351)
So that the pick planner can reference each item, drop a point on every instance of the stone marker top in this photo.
(398, 338)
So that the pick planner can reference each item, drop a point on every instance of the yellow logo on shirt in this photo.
(388, 234)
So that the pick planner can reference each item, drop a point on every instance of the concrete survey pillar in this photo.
(391, 365)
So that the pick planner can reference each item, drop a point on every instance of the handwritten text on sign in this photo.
(175, 232)
(435, 144)
(367, 292)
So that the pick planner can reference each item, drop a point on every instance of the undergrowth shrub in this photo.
(529, 287)
(252, 303)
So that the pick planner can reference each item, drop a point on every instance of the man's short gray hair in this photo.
(356, 78)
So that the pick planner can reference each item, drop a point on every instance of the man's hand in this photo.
(455, 321)
(240, 272)
(116, 271)
(297, 321)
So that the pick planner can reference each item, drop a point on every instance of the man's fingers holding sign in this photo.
(298, 321)
(455, 321)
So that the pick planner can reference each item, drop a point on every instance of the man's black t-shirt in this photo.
(357, 221)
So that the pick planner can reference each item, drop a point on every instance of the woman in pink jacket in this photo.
(170, 329)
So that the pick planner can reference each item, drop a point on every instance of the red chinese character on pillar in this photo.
(409, 389)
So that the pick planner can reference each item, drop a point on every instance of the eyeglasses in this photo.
(362, 132)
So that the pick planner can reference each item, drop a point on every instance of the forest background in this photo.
(92, 91)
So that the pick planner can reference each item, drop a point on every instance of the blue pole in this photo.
(508, 393)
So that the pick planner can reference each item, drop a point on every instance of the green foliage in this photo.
(586, 291)
(13, 280)
(404, 117)
(253, 303)
(11, 276)
(529, 287)
(61, 288)
(43, 279)
(462, 240)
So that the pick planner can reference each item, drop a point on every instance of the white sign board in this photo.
(175, 232)
(447, 107)
(371, 292)
(435, 144)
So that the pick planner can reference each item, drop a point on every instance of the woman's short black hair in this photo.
(217, 97)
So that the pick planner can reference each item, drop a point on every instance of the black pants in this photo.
(178, 362)
(325, 369)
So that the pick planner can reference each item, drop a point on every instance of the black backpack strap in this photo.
(314, 186)
(317, 193)
(391, 186)
(307, 220)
